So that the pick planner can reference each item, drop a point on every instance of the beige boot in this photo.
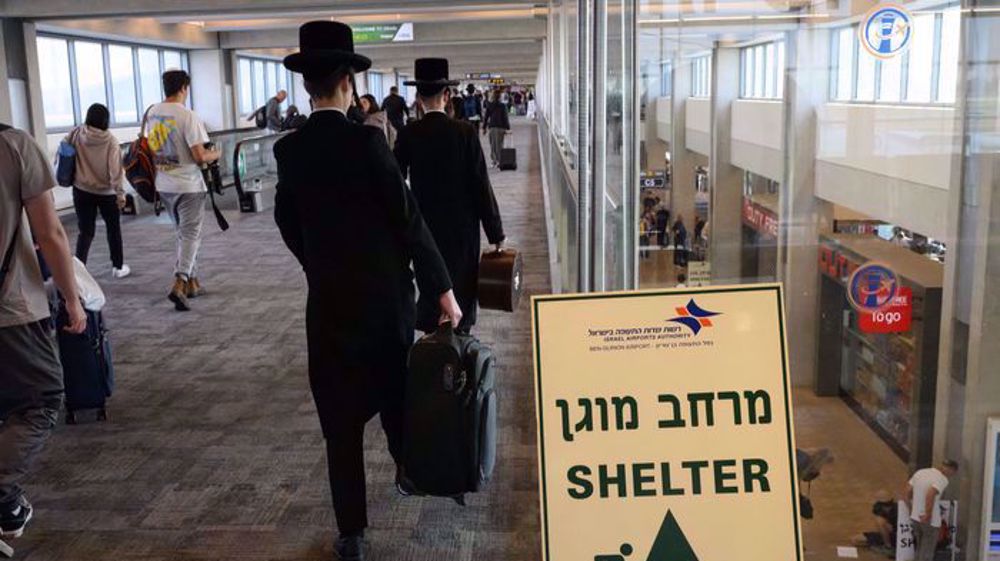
(194, 288)
(178, 294)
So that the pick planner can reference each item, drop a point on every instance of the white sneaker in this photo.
(121, 273)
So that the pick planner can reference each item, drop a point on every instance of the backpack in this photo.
(470, 107)
(66, 162)
(260, 117)
(138, 163)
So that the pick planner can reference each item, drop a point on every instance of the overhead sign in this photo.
(896, 317)
(482, 75)
(886, 31)
(665, 426)
(382, 33)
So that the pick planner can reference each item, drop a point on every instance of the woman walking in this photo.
(97, 186)
(497, 123)
(375, 117)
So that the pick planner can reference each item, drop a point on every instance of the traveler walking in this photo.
(30, 372)
(923, 496)
(456, 105)
(346, 214)
(395, 107)
(473, 107)
(273, 111)
(97, 186)
(374, 117)
(680, 234)
(448, 177)
(497, 122)
(177, 138)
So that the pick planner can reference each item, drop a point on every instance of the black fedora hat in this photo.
(430, 72)
(324, 46)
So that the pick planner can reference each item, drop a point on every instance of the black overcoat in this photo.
(448, 176)
(344, 210)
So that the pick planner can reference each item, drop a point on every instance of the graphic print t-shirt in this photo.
(172, 129)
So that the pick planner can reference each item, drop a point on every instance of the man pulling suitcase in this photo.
(448, 176)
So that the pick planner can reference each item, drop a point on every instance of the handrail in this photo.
(237, 182)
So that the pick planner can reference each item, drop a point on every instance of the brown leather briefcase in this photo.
(500, 280)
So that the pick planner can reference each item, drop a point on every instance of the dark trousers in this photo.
(87, 205)
(348, 395)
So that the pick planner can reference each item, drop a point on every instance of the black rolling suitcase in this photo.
(450, 416)
(88, 373)
(508, 156)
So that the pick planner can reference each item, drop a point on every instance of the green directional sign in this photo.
(382, 33)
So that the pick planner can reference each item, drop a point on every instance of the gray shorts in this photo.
(30, 370)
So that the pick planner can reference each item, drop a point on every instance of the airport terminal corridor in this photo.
(213, 448)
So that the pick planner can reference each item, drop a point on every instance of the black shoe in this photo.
(14, 517)
(350, 548)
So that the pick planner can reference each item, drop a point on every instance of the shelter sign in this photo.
(665, 426)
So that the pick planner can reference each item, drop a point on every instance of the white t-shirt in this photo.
(172, 130)
(922, 482)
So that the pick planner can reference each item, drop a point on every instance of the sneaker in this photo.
(178, 294)
(350, 548)
(121, 273)
(194, 288)
(15, 517)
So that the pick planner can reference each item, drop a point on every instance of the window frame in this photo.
(272, 69)
(762, 71)
(79, 112)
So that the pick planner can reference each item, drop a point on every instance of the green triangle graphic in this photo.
(671, 544)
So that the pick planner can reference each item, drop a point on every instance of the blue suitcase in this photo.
(88, 372)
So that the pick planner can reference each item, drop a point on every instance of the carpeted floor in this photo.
(213, 449)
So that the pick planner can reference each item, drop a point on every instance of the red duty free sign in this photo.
(897, 317)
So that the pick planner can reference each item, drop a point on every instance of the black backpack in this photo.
(260, 117)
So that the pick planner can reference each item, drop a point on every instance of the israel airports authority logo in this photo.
(694, 317)
(886, 30)
(872, 287)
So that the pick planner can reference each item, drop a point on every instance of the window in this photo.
(79, 73)
(701, 76)
(57, 93)
(123, 95)
(925, 73)
(762, 71)
(375, 84)
(258, 80)
(666, 80)
(89, 76)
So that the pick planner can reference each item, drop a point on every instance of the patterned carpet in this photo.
(213, 449)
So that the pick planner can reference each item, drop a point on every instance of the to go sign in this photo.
(896, 317)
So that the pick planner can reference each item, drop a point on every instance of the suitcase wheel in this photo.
(102, 414)
(70, 417)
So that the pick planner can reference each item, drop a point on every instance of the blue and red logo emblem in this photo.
(694, 317)
(872, 287)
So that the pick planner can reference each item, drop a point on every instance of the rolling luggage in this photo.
(508, 156)
(449, 416)
(88, 373)
(500, 280)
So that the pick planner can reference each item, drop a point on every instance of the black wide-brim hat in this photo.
(430, 72)
(324, 47)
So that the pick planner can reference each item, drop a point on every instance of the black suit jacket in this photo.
(395, 107)
(448, 176)
(345, 212)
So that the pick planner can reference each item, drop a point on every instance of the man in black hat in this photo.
(345, 212)
(448, 176)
